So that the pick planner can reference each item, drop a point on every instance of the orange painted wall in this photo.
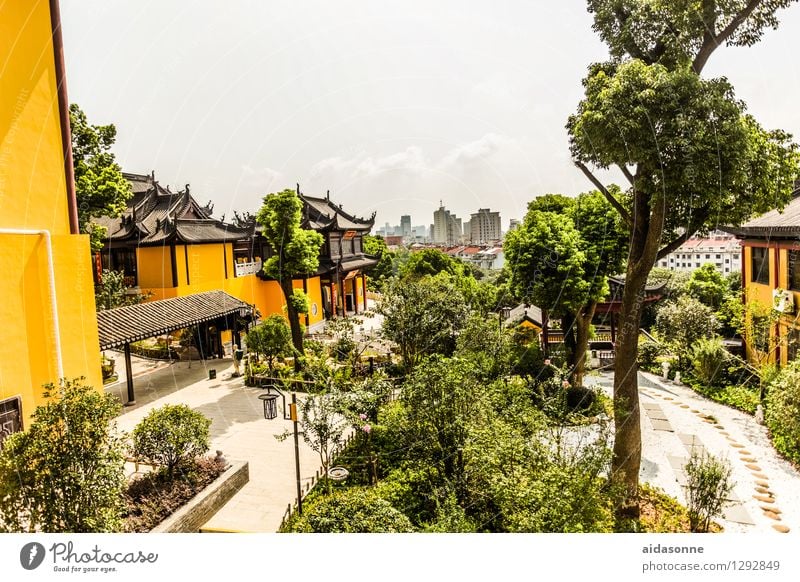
(33, 196)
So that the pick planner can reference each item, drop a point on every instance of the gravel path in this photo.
(675, 419)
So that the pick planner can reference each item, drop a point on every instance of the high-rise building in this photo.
(446, 227)
(513, 223)
(405, 225)
(485, 227)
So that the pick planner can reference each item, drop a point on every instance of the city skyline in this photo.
(391, 107)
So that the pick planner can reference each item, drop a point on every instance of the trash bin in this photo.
(212, 374)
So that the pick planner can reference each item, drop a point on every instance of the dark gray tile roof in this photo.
(156, 215)
(123, 325)
(778, 223)
(521, 312)
(322, 214)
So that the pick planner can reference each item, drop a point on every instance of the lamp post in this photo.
(270, 412)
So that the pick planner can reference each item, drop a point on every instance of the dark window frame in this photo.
(793, 269)
(759, 259)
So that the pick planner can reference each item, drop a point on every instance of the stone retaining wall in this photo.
(191, 517)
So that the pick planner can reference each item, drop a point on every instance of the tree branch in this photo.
(712, 41)
(626, 172)
(688, 233)
(599, 185)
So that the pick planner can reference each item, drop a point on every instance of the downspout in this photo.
(51, 275)
(63, 113)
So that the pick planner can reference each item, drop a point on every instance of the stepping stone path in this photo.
(735, 510)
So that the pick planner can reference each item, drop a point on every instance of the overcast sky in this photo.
(390, 105)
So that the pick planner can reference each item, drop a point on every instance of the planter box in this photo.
(203, 506)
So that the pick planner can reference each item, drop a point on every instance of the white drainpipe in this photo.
(51, 275)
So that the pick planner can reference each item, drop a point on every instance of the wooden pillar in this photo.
(342, 297)
(355, 294)
(613, 331)
(305, 290)
(129, 376)
(545, 334)
(364, 289)
(220, 347)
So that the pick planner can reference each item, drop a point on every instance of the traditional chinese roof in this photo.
(124, 325)
(616, 286)
(521, 313)
(156, 215)
(783, 223)
(322, 215)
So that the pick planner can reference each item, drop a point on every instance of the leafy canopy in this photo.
(66, 472)
(100, 188)
(697, 155)
(296, 249)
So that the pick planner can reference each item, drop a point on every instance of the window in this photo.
(336, 245)
(357, 245)
(697, 264)
(10, 417)
(719, 256)
(727, 260)
(759, 265)
(794, 270)
(663, 263)
(121, 260)
(709, 256)
(735, 255)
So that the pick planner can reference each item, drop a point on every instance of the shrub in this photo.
(682, 323)
(151, 498)
(708, 486)
(66, 472)
(271, 338)
(173, 436)
(783, 411)
(353, 510)
(709, 358)
(649, 352)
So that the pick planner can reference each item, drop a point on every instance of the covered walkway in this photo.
(212, 312)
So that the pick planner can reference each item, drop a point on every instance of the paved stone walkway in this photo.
(676, 420)
(238, 428)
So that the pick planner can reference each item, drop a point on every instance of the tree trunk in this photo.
(645, 238)
(568, 322)
(583, 322)
(294, 323)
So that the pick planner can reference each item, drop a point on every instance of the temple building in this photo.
(168, 245)
(771, 274)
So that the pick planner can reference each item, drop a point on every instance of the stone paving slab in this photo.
(659, 424)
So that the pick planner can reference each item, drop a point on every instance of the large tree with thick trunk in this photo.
(690, 154)
(296, 253)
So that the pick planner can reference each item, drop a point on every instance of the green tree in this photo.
(442, 396)
(271, 338)
(112, 292)
(385, 269)
(560, 260)
(707, 285)
(688, 151)
(296, 252)
(353, 510)
(423, 316)
(783, 411)
(433, 262)
(681, 323)
(173, 436)
(100, 188)
(66, 472)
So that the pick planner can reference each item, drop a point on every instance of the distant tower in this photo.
(405, 225)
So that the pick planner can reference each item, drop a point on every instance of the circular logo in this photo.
(31, 555)
(314, 309)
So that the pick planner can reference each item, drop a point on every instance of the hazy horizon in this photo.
(391, 106)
